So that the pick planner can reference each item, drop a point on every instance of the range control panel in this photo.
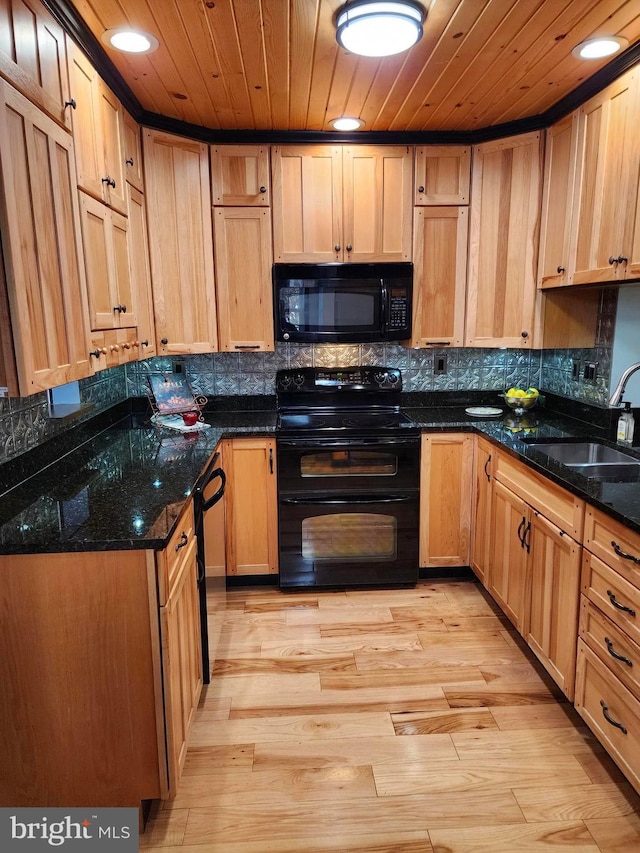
(315, 379)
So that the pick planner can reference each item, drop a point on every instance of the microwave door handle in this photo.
(385, 304)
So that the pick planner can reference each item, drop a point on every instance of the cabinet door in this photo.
(240, 175)
(132, 151)
(507, 566)
(181, 662)
(481, 526)
(445, 499)
(33, 56)
(42, 247)
(112, 119)
(439, 275)
(251, 505)
(307, 203)
(503, 242)
(561, 161)
(606, 193)
(181, 242)
(443, 174)
(243, 278)
(139, 266)
(377, 203)
(106, 255)
(552, 597)
(87, 130)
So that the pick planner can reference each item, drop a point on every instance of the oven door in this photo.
(349, 465)
(348, 540)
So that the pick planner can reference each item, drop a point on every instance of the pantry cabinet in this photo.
(33, 56)
(503, 241)
(251, 506)
(439, 275)
(606, 195)
(442, 174)
(240, 175)
(446, 472)
(242, 238)
(46, 341)
(333, 203)
(178, 199)
(98, 132)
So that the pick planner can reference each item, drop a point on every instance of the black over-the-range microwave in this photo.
(342, 303)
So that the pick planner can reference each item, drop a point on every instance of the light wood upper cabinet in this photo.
(178, 202)
(442, 174)
(251, 503)
(106, 253)
(440, 237)
(42, 247)
(503, 242)
(240, 175)
(243, 260)
(560, 170)
(132, 151)
(140, 269)
(33, 56)
(98, 131)
(342, 204)
(445, 499)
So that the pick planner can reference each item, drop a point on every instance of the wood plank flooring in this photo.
(403, 721)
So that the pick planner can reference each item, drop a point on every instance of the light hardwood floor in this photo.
(403, 721)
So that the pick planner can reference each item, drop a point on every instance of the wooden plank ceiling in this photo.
(275, 64)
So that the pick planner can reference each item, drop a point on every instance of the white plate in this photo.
(484, 411)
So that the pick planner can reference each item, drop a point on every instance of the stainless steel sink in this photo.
(593, 460)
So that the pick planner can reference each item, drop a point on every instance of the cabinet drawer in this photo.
(558, 505)
(620, 654)
(602, 701)
(616, 597)
(614, 543)
(169, 561)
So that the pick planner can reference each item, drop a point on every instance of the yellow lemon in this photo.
(532, 392)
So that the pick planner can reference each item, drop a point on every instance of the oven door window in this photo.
(349, 536)
(333, 306)
(349, 463)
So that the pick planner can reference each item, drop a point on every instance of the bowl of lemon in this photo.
(520, 399)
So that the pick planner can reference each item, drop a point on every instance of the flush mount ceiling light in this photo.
(345, 123)
(372, 28)
(130, 40)
(599, 48)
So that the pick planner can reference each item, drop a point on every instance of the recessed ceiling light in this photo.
(130, 40)
(599, 48)
(372, 28)
(345, 123)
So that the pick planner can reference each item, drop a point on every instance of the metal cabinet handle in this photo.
(524, 334)
(613, 260)
(609, 718)
(420, 189)
(246, 346)
(129, 161)
(619, 606)
(520, 527)
(622, 259)
(624, 554)
(95, 353)
(164, 341)
(614, 653)
(263, 189)
(560, 269)
(71, 103)
(109, 181)
(183, 541)
(121, 309)
(525, 541)
(486, 465)
(337, 247)
(271, 460)
(348, 247)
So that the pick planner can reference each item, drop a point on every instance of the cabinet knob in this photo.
(164, 342)
(613, 260)
(349, 247)
(126, 345)
(337, 247)
(560, 269)
(622, 259)
(71, 103)
(114, 348)
(95, 353)
(524, 334)
(109, 181)
(121, 309)
(146, 343)
(420, 189)
(129, 161)
(263, 190)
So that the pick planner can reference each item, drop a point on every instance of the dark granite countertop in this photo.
(120, 483)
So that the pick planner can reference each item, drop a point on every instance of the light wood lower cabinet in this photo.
(445, 499)
(251, 506)
(506, 575)
(481, 516)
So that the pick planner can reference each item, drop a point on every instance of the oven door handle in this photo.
(350, 499)
(321, 443)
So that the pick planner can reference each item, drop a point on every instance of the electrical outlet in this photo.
(591, 371)
(177, 367)
(440, 365)
(575, 370)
